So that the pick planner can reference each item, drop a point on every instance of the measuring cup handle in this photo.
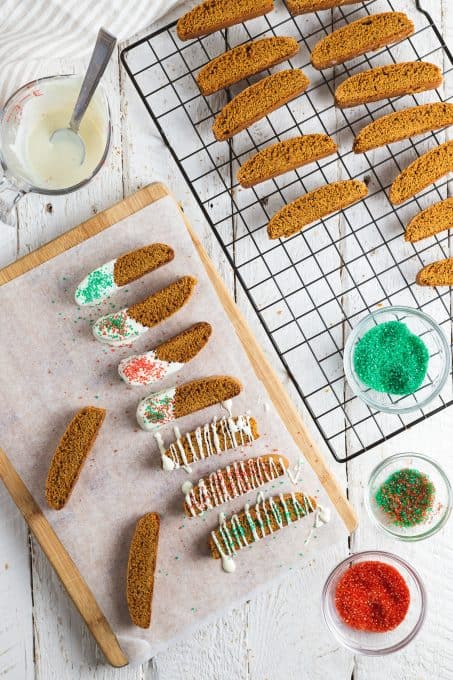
(9, 196)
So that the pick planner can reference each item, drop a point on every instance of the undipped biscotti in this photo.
(437, 274)
(244, 61)
(107, 279)
(167, 358)
(71, 453)
(164, 407)
(364, 35)
(384, 82)
(285, 156)
(214, 15)
(232, 481)
(257, 101)
(125, 326)
(313, 206)
(307, 6)
(400, 125)
(211, 439)
(433, 220)
(141, 568)
(425, 170)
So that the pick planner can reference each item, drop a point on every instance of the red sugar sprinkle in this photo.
(372, 596)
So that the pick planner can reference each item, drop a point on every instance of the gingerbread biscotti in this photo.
(385, 82)
(307, 6)
(400, 125)
(285, 156)
(125, 326)
(211, 439)
(433, 220)
(107, 279)
(254, 523)
(313, 206)
(141, 569)
(257, 101)
(164, 407)
(425, 170)
(438, 273)
(71, 453)
(167, 358)
(244, 61)
(214, 15)
(237, 479)
(359, 37)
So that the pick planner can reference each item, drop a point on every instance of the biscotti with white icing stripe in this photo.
(425, 170)
(167, 358)
(125, 326)
(307, 6)
(107, 279)
(433, 220)
(214, 15)
(237, 479)
(385, 82)
(244, 61)
(257, 101)
(400, 125)
(141, 568)
(359, 37)
(313, 206)
(222, 434)
(176, 402)
(284, 156)
(437, 273)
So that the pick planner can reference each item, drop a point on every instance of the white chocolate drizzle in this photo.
(232, 481)
(205, 441)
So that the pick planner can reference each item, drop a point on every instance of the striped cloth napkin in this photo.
(34, 31)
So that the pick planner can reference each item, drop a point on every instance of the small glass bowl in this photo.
(376, 644)
(435, 520)
(439, 364)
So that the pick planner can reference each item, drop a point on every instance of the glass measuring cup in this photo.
(42, 102)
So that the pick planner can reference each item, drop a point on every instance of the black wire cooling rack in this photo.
(311, 289)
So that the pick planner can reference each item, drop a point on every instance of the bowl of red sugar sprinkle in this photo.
(374, 603)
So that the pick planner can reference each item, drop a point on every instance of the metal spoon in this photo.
(105, 44)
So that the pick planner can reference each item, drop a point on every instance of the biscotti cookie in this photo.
(403, 124)
(165, 359)
(425, 170)
(437, 274)
(436, 218)
(364, 35)
(125, 326)
(257, 522)
(71, 453)
(169, 405)
(237, 479)
(285, 156)
(214, 15)
(384, 82)
(257, 101)
(307, 6)
(315, 205)
(208, 440)
(107, 279)
(244, 61)
(141, 568)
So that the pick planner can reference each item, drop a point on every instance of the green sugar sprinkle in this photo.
(407, 497)
(389, 358)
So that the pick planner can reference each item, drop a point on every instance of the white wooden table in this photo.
(279, 635)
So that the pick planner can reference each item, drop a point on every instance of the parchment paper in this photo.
(50, 366)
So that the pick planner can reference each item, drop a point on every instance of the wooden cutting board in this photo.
(75, 585)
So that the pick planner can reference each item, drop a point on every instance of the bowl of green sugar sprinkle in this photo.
(409, 496)
(397, 359)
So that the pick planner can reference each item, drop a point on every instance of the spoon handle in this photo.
(105, 44)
